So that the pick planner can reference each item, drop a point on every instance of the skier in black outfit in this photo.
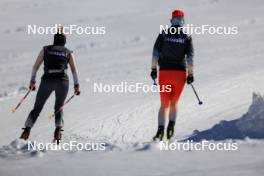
(56, 58)
(173, 53)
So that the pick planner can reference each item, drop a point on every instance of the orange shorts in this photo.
(177, 80)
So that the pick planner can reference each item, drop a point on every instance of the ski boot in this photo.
(57, 135)
(160, 134)
(25, 134)
(170, 130)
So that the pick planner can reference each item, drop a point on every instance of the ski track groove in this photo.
(120, 124)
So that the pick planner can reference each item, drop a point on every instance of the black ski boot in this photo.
(160, 134)
(25, 134)
(170, 130)
(57, 135)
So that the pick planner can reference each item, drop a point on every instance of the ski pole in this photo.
(21, 101)
(199, 101)
(66, 102)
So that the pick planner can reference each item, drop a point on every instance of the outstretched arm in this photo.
(155, 57)
(74, 69)
(156, 51)
(74, 74)
(189, 55)
(189, 60)
(36, 66)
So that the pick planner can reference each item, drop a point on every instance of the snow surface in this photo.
(228, 69)
(250, 125)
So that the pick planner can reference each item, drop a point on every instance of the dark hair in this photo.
(59, 39)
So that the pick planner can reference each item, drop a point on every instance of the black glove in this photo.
(32, 86)
(77, 90)
(190, 78)
(153, 73)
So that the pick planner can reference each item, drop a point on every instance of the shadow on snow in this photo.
(250, 125)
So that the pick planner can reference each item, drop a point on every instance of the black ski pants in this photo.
(47, 86)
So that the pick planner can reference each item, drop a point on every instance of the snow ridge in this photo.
(250, 125)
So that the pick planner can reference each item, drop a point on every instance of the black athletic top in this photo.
(173, 51)
(56, 59)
